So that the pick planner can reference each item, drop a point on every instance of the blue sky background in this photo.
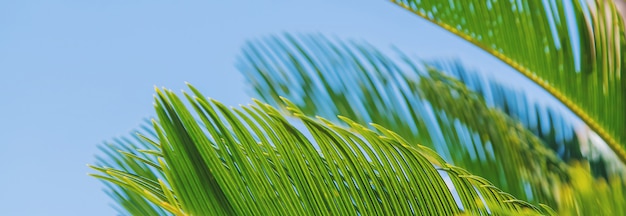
(76, 73)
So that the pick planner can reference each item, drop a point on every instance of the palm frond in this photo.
(253, 161)
(554, 128)
(557, 128)
(571, 48)
(420, 104)
(122, 154)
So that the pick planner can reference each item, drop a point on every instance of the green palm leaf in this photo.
(557, 128)
(253, 161)
(418, 103)
(122, 154)
(554, 128)
(572, 48)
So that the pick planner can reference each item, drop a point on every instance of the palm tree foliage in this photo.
(122, 154)
(423, 106)
(571, 48)
(201, 158)
(253, 161)
(555, 128)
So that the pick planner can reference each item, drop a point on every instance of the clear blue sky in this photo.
(75, 73)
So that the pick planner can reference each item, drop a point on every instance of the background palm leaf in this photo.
(548, 123)
(571, 48)
(557, 128)
(254, 161)
(418, 102)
